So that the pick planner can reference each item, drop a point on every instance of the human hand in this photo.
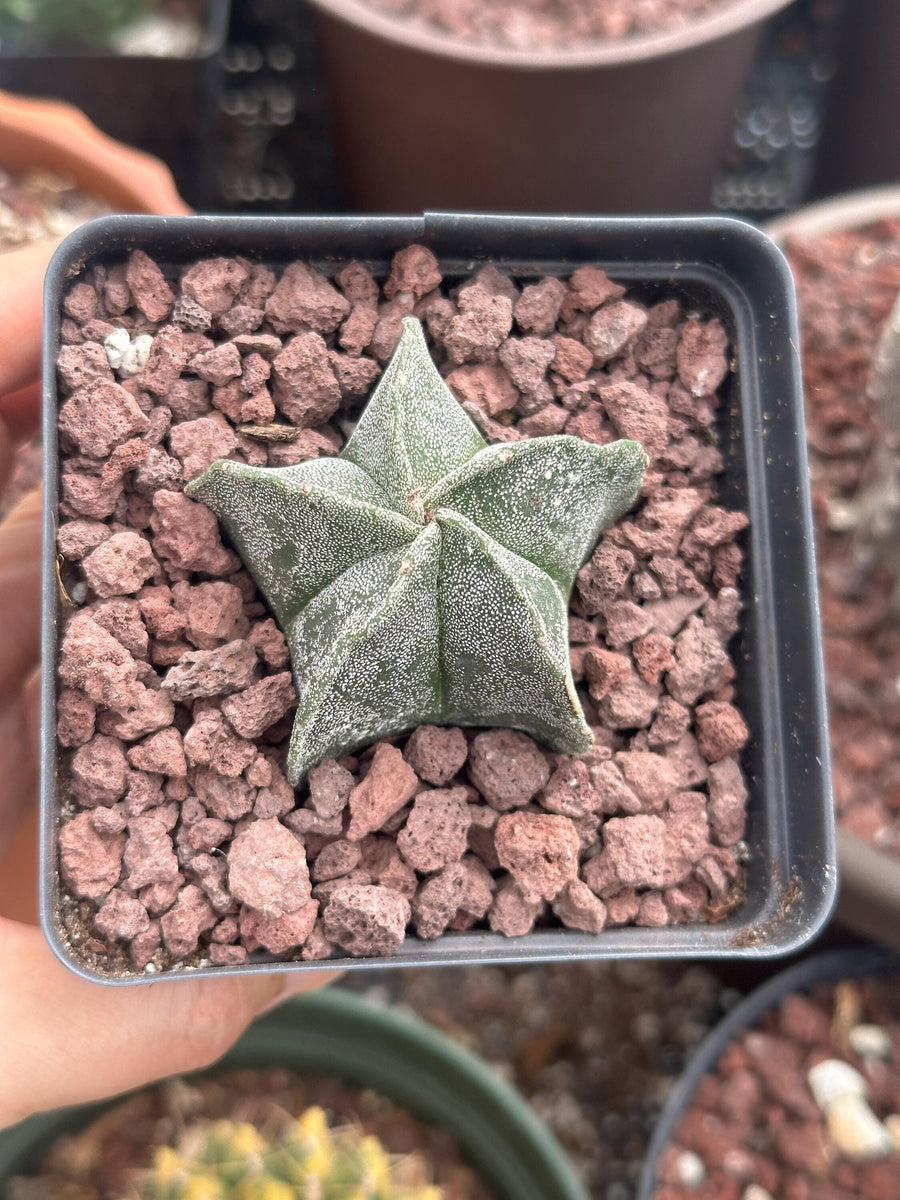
(64, 1040)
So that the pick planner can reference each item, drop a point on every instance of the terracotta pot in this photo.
(869, 896)
(49, 134)
(860, 142)
(425, 120)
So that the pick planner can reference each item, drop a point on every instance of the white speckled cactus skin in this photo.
(424, 576)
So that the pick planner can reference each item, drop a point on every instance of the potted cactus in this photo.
(318, 679)
(391, 1084)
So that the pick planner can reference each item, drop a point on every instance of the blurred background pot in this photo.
(422, 119)
(163, 103)
(869, 895)
(828, 968)
(336, 1033)
(44, 135)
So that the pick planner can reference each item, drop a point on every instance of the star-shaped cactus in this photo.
(423, 576)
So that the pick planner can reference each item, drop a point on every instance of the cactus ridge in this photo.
(423, 576)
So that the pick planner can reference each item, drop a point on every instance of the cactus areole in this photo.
(423, 576)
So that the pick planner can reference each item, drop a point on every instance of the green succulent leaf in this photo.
(423, 576)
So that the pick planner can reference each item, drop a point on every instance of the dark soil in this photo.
(755, 1122)
(99, 1162)
(548, 24)
(847, 283)
(595, 1047)
(176, 696)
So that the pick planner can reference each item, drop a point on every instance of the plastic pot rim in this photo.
(850, 210)
(402, 1057)
(828, 967)
(731, 18)
(792, 880)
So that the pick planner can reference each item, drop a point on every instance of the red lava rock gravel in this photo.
(545, 24)
(176, 697)
(847, 283)
(755, 1130)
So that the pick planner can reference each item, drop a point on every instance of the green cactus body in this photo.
(308, 1161)
(423, 576)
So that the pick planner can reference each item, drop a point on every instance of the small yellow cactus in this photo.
(308, 1160)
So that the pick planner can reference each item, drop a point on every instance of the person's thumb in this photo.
(64, 1040)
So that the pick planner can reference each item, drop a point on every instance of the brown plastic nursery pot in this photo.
(637, 125)
(48, 134)
(869, 895)
(723, 267)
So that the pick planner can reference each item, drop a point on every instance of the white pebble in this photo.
(690, 1168)
(870, 1041)
(135, 357)
(832, 1079)
(754, 1192)
(854, 1129)
(115, 344)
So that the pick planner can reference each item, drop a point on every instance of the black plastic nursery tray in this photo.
(721, 266)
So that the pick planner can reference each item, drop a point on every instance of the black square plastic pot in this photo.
(167, 106)
(721, 266)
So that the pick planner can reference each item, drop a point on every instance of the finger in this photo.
(20, 721)
(21, 301)
(20, 412)
(67, 1041)
(20, 593)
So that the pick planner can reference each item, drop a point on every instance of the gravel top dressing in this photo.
(549, 24)
(847, 283)
(594, 1047)
(105, 1160)
(181, 841)
(805, 1107)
